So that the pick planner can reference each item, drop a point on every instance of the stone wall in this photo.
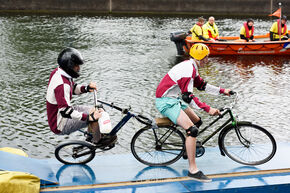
(190, 7)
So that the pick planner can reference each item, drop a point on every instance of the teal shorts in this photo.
(170, 107)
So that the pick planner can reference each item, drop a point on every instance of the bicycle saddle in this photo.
(163, 121)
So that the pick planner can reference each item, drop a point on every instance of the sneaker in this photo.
(199, 176)
(106, 141)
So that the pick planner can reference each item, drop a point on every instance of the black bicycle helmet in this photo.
(68, 58)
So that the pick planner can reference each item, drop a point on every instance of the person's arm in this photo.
(191, 30)
(205, 31)
(243, 37)
(203, 38)
(199, 33)
(193, 101)
(62, 96)
(202, 85)
(80, 89)
(242, 34)
(273, 30)
(287, 35)
(271, 36)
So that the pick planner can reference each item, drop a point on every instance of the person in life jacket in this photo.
(197, 31)
(210, 29)
(181, 80)
(63, 117)
(275, 30)
(247, 31)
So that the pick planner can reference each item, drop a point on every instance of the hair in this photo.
(201, 19)
(250, 20)
(211, 17)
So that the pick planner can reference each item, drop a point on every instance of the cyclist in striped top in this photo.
(63, 117)
(180, 80)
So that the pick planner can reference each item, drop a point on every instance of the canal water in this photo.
(127, 57)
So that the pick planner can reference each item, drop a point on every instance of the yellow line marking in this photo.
(163, 180)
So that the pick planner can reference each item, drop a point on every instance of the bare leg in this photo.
(95, 130)
(192, 115)
(185, 122)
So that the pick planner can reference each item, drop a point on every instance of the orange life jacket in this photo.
(248, 30)
(284, 30)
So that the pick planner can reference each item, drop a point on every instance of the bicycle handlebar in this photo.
(233, 103)
(232, 92)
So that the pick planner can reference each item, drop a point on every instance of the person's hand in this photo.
(100, 110)
(91, 87)
(94, 116)
(213, 111)
(227, 92)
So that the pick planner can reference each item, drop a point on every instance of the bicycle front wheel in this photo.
(248, 144)
(75, 152)
(158, 147)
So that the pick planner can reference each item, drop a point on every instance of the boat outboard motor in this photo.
(179, 39)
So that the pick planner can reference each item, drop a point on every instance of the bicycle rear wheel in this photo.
(248, 144)
(158, 147)
(75, 152)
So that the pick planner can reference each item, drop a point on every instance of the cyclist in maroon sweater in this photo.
(63, 117)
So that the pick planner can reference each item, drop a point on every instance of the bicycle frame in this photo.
(123, 121)
(126, 118)
(231, 119)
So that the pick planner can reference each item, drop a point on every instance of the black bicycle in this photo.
(81, 152)
(242, 141)
(161, 143)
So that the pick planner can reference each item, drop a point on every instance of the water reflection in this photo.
(75, 175)
(244, 64)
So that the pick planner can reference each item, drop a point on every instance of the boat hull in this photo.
(245, 48)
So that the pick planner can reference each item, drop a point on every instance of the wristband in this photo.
(88, 88)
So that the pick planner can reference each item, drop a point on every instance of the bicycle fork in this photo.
(241, 138)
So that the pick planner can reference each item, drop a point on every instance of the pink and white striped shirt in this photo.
(58, 100)
(182, 78)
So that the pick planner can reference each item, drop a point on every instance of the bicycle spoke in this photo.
(164, 151)
(249, 144)
(176, 145)
(158, 147)
(74, 152)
